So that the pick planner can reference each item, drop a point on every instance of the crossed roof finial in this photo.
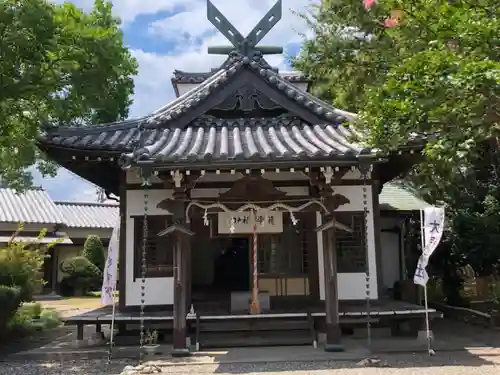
(246, 46)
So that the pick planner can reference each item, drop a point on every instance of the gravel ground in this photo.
(457, 363)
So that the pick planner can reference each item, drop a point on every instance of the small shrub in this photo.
(10, 299)
(32, 308)
(50, 319)
(22, 320)
(93, 250)
(82, 274)
(20, 264)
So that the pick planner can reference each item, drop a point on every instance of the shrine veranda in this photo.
(240, 143)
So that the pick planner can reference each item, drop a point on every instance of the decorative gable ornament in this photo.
(245, 46)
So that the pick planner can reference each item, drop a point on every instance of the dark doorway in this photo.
(232, 266)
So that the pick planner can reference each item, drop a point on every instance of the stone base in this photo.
(241, 301)
(180, 352)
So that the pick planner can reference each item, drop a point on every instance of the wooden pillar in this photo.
(188, 273)
(180, 294)
(333, 333)
(180, 241)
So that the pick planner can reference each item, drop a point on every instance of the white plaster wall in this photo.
(352, 286)
(390, 249)
(158, 291)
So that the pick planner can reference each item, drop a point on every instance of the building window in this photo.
(159, 250)
(284, 254)
(351, 252)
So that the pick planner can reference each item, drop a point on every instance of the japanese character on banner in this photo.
(432, 230)
(421, 277)
(110, 274)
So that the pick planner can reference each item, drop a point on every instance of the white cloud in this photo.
(190, 33)
(285, 32)
(153, 87)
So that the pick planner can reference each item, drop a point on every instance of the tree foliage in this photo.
(21, 263)
(93, 250)
(436, 73)
(58, 66)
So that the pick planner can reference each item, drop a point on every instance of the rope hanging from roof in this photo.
(254, 207)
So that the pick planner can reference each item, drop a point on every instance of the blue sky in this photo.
(164, 35)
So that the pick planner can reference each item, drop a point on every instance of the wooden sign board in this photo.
(267, 222)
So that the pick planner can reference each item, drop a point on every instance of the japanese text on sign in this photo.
(243, 222)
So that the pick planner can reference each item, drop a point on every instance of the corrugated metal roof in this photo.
(396, 197)
(32, 206)
(89, 215)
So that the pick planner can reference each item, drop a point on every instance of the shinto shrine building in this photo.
(244, 198)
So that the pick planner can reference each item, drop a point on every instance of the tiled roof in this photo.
(277, 139)
(32, 206)
(397, 197)
(188, 77)
(172, 133)
(89, 215)
(196, 96)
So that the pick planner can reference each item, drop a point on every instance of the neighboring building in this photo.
(236, 142)
(81, 220)
(68, 222)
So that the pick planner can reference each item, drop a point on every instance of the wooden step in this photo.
(250, 339)
(252, 325)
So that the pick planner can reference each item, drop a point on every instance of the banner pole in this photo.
(112, 328)
(422, 241)
(427, 328)
(426, 304)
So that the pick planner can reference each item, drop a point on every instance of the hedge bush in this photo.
(10, 300)
(82, 274)
(93, 250)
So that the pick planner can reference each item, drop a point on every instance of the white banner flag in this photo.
(432, 231)
(110, 269)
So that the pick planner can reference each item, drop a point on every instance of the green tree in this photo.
(21, 263)
(58, 66)
(434, 72)
(93, 250)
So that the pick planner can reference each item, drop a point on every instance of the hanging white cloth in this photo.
(111, 269)
(432, 232)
